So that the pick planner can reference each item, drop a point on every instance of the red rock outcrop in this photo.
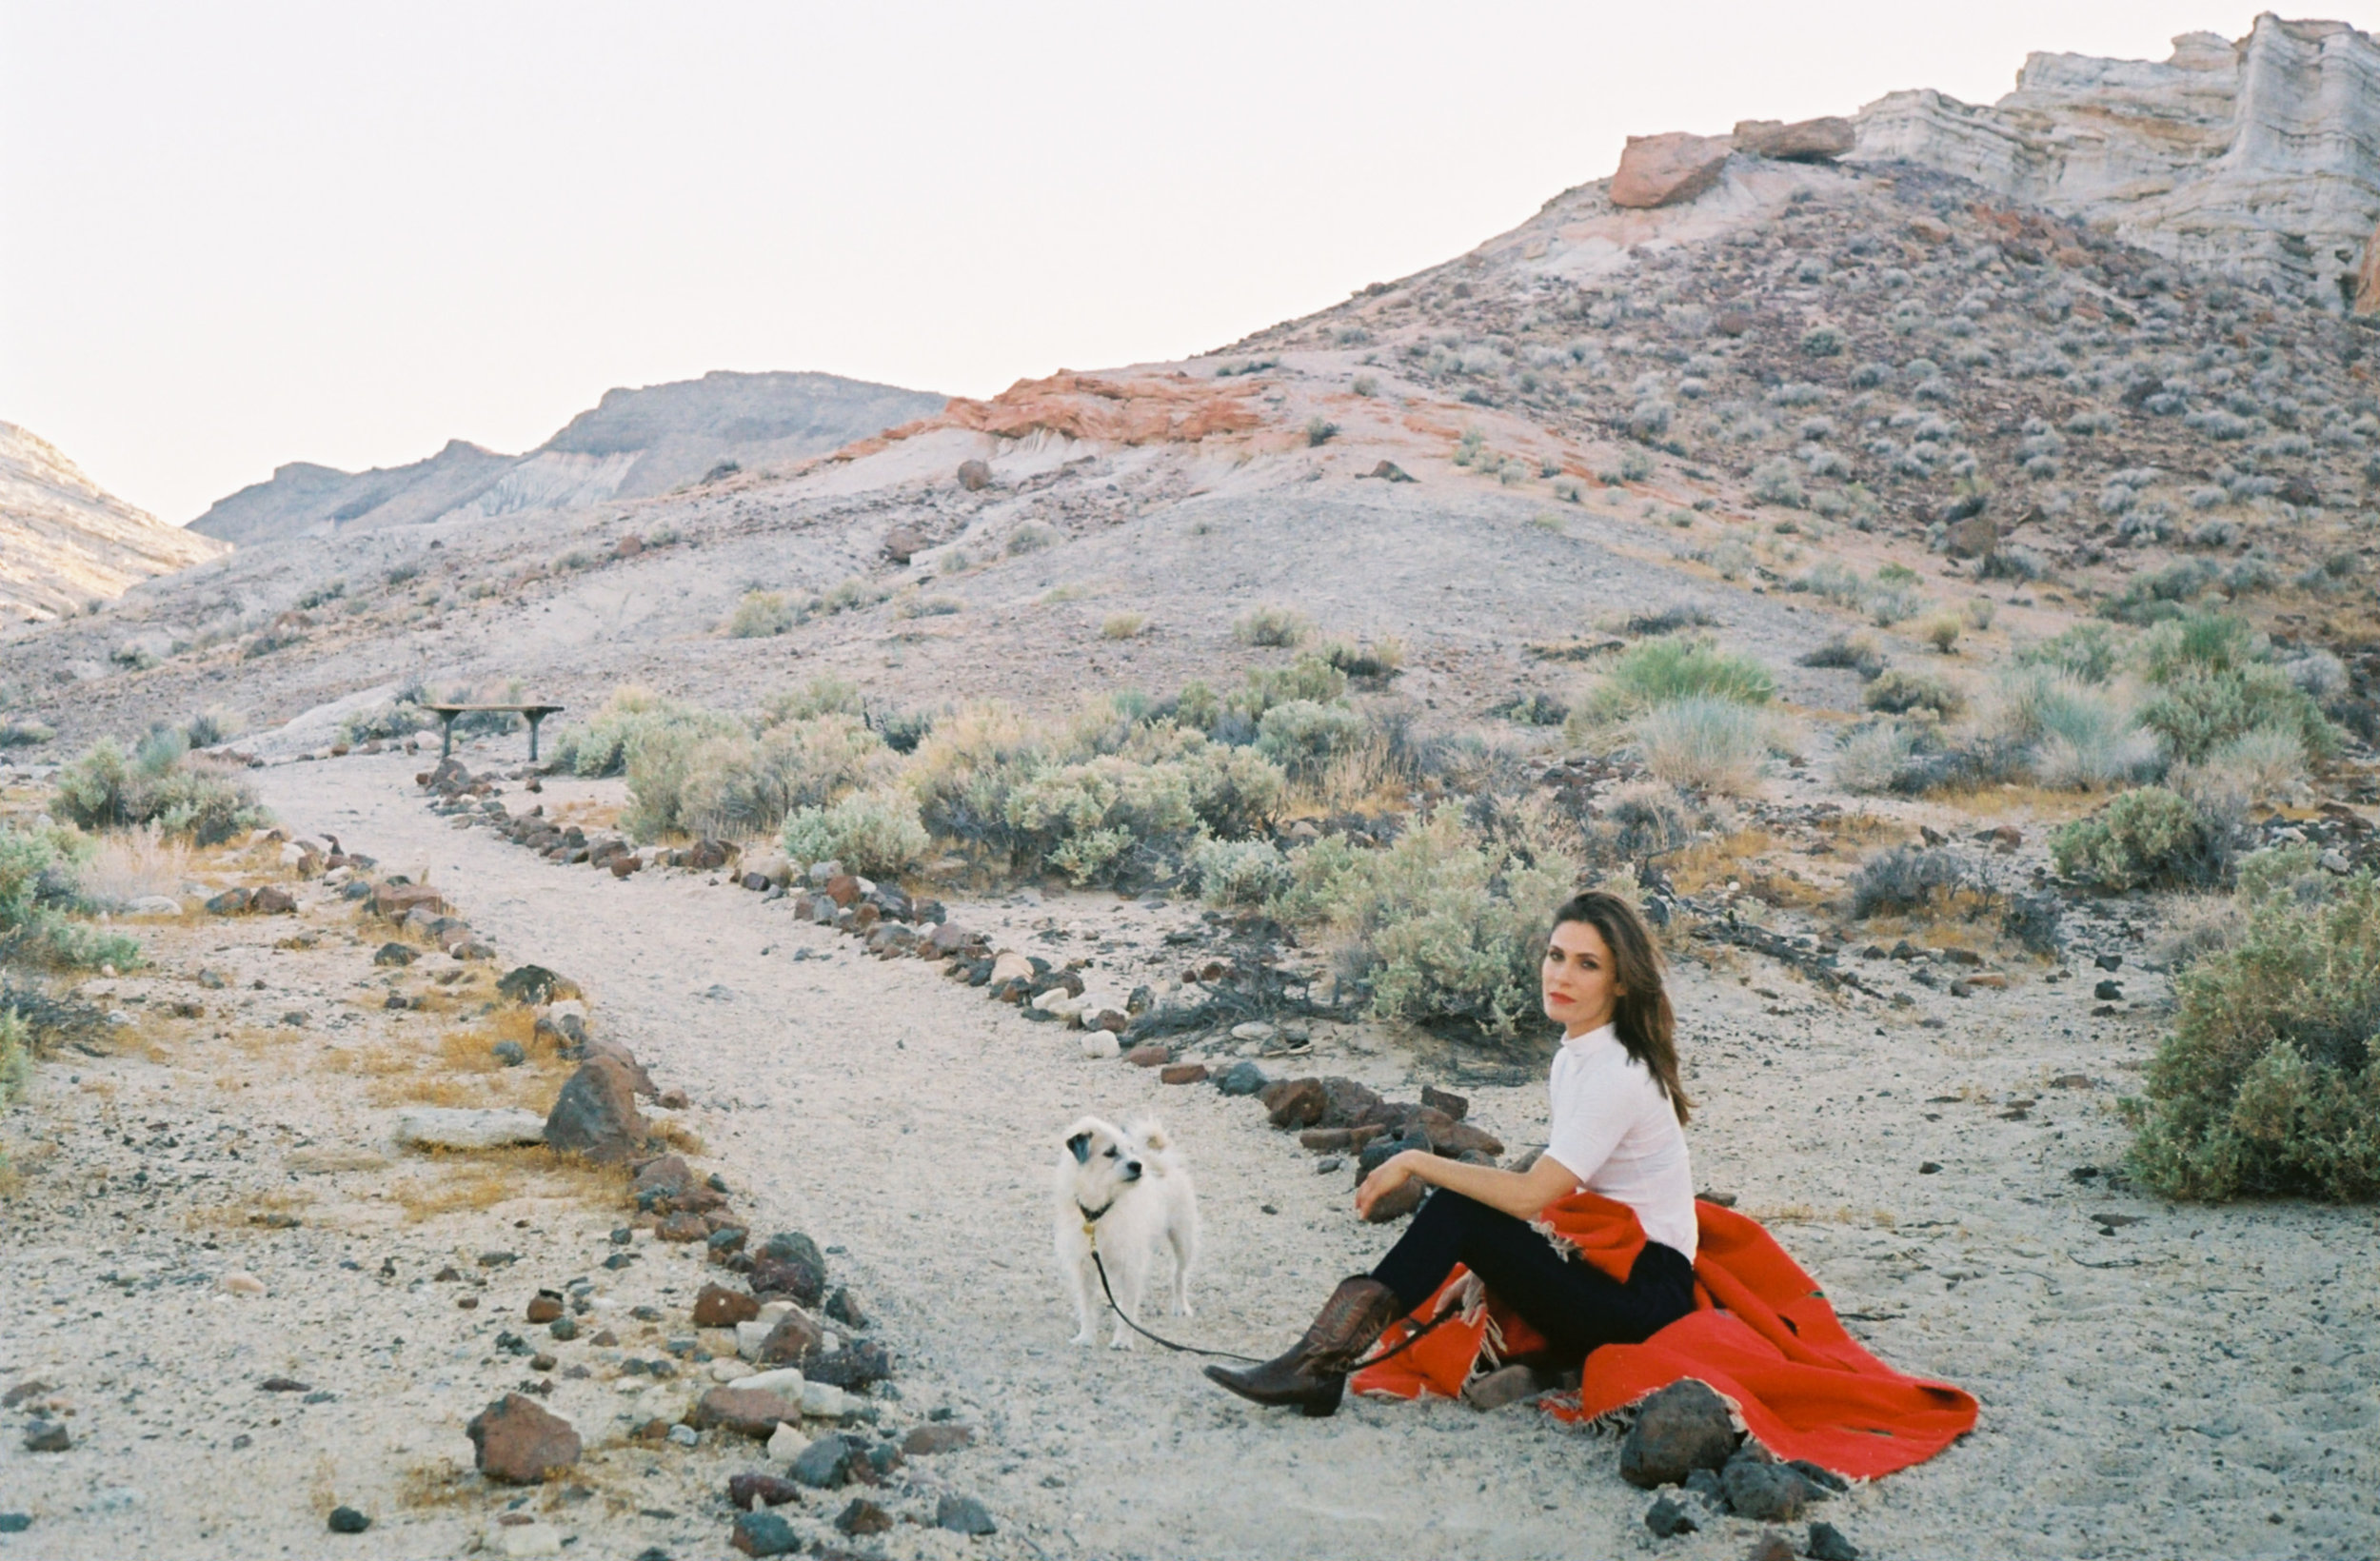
(1665, 170)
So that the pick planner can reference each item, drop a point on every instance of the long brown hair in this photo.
(1641, 1014)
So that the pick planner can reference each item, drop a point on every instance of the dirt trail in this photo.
(2195, 1365)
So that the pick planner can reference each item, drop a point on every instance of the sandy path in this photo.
(2215, 1372)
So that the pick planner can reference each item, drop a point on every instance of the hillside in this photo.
(65, 543)
(634, 444)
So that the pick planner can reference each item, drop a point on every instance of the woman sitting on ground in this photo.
(1618, 1110)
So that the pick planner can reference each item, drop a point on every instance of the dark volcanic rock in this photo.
(717, 1306)
(596, 1113)
(746, 1492)
(1667, 1519)
(1683, 1427)
(1827, 1544)
(1764, 1491)
(763, 1533)
(962, 1515)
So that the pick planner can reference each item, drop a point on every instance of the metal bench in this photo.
(445, 714)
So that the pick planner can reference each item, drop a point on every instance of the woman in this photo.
(1617, 1114)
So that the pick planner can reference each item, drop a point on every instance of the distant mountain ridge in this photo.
(632, 443)
(66, 541)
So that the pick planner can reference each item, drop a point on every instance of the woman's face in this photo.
(1576, 980)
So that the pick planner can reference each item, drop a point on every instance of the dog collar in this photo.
(1091, 1219)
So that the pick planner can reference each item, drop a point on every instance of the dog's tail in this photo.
(1151, 1132)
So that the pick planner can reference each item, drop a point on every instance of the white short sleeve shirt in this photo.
(1616, 1132)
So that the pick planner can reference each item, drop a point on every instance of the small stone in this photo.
(845, 1308)
(824, 1464)
(1254, 1031)
(1327, 1164)
(1684, 1426)
(1927, 1168)
(716, 1306)
(511, 1052)
(1182, 1073)
(347, 1520)
(2109, 991)
(1667, 1519)
(546, 1305)
(1151, 1055)
(1764, 1491)
(763, 1533)
(1771, 1545)
(1453, 1105)
(464, 1127)
(1705, 1483)
(746, 1492)
(1099, 1045)
(1827, 1544)
(863, 1517)
(787, 1443)
(2109, 961)
(15, 1522)
(238, 1282)
(685, 1436)
(2335, 861)
(519, 1442)
(1397, 1204)
(399, 954)
(48, 1436)
(1241, 1078)
(964, 1515)
(565, 1328)
(943, 1437)
(273, 900)
(523, 1539)
(748, 1412)
(1296, 1102)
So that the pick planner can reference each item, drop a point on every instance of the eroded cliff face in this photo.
(2259, 159)
(66, 541)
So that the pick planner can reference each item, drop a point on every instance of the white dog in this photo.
(1122, 1192)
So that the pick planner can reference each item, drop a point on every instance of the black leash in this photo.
(1226, 1355)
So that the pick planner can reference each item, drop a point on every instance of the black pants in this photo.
(1576, 1305)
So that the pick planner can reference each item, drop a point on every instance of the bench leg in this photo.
(533, 720)
(446, 736)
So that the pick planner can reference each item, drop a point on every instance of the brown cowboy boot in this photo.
(1313, 1374)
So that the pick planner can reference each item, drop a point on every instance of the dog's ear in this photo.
(1081, 1145)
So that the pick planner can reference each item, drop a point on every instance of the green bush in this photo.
(1309, 678)
(1272, 626)
(1908, 879)
(1675, 667)
(762, 615)
(2076, 733)
(1445, 927)
(872, 833)
(1371, 661)
(38, 871)
(2149, 839)
(2086, 651)
(629, 720)
(1303, 736)
(821, 695)
(734, 786)
(16, 1055)
(2270, 1083)
(1235, 874)
(2198, 709)
(202, 799)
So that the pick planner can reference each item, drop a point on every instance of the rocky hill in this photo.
(65, 543)
(634, 444)
(2258, 159)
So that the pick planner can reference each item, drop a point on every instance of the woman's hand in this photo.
(1391, 1174)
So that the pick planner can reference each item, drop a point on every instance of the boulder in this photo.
(792, 1341)
(1665, 170)
(639, 1079)
(716, 1306)
(273, 900)
(1294, 1102)
(517, 1441)
(974, 476)
(230, 902)
(1764, 1491)
(902, 542)
(763, 1533)
(596, 1113)
(1804, 140)
(1684, 1427)
(1975, 537)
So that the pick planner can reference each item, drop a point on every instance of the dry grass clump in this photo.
(1284, 627)
(1704, 743)
(476, 1182)
(134, 864)
(1123, 625)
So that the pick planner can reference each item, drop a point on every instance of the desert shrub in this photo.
(1659, 671)
(1370, 660)
(2267, 1083)
(1705, 742)
(24, 732)
(2086, 651)
(1272, 626)
(2198, 711)
(203, 801)
(1873, 756)
(1822, 342)
(1897, 692)
(825, 694)
(1235, 874)
(1941, 631)
(1647, 820)
(632, 718)
(1445, 926)
(1319, 430)
(762, 615)
(1909, 879)
(212, 725)
(1301, 736)
(1308, 677)
(1123, 625)
(875, 833)
(39, 869)
(2077, 734)
(733, 786)
(2261, 764)
(2149, 839)
(16, 1055)
(1032, 536)
(1857, 652)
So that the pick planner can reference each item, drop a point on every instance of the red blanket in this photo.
(1761, 1335)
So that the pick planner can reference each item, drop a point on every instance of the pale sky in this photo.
(233, 236)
